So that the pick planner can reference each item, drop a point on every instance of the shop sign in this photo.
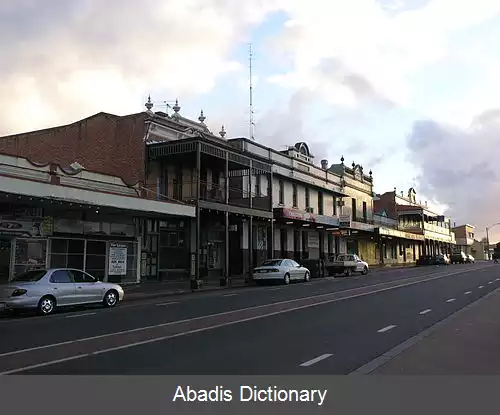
(327, 220)
(29, 228)
(400, 234)
(298, 215)
(117, 259)
(345, 221)
(313, 240)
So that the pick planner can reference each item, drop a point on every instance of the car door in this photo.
(87, 288)
(62, 286)
(287, 268)
(359, 263)
(294, 270)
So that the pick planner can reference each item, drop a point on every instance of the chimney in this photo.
(324, 164)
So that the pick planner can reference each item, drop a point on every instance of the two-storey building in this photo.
(356, 210)
(464, 235)
(310, 217)
(415, 218)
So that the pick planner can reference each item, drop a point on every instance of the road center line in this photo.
(80, 315)
(230, 295)
(225, 313)
(481, 286)
(425, 311)
(468, 292)
(169, 303)
(316, 360)
(450, 300)
(386, 329)
(490, 282)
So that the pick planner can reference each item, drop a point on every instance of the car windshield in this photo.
(30, 276)
(271, 263)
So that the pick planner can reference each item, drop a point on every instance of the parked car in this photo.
(48, 289)
(345, 264)
(442, 259)
(470, 259)
(426, 260)
(286, 270)
(458, 258)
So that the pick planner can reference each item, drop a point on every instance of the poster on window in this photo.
(117, 259)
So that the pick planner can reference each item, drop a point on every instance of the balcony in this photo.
(411, 227)
(385, 221)
(438, 229)
(186, 192)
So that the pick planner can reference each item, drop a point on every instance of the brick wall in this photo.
(103, 143)
(386, 202)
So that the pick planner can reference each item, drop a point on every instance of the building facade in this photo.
(413, 218)
(53, 216)
(464, 235)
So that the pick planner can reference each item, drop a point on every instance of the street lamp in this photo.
(488, 238)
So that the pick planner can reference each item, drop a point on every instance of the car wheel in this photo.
(307, 277)
(348, 272)
(287, 279)
(110, 299)
(46, 305)
(365, 270)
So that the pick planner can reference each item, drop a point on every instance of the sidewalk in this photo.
(467, 343)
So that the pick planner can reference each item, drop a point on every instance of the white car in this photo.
(47, 289)
(286, 270)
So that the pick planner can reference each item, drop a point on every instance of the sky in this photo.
(407, 88)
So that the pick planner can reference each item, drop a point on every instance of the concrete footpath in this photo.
(466, 343)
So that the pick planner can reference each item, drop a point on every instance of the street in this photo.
(327, 326)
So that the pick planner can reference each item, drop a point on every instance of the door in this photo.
(297, 270)
(62, 287)
(87, 288)
(294, 270)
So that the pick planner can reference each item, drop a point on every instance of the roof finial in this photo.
(342, 160)
(370, 173)
(353, 164)
(222, 132)
(149, 104)
(202, 117)
(176, 107)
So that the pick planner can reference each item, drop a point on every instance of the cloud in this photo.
(64, 60)
(459, 167)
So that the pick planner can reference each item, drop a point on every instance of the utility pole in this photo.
(251, 120)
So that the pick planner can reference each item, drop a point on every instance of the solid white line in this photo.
(169, 303)
(481, 286)
(316, 360)
(450, 300)
(425, 311)
(468, 292)
(386, 329)
(80, 315)
(225, 313)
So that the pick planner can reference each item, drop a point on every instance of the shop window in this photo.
(67, 253)
(29, 254)
(95, 259)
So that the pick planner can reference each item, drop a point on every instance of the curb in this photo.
(384, 358)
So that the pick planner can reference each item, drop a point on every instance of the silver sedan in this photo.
(286, 270)
(47, 289)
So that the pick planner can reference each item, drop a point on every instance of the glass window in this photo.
(30, 276)
(272, 263)
(76, 246)
(59, 246)
(82, 277)
(61, 277)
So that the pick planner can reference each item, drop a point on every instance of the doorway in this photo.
(5, 254)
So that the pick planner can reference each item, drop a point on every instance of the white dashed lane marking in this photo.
(425, 311)
(230, 295)
(80, 315)
(386, 329)
(316, 360)
(468, 292)
(481, 286)
(450, 300)
(169, 303)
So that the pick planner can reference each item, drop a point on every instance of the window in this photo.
(307, 198)
(258, 186)
(294, 197)
(353, 209)
(281, 192)
(61, 277)
(320, 203)
(365, 212)
(30, 276)
(82, 277)
(335, 206)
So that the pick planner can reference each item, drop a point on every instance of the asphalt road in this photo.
(323, 327)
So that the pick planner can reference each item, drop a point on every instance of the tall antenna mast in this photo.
(251, 115)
